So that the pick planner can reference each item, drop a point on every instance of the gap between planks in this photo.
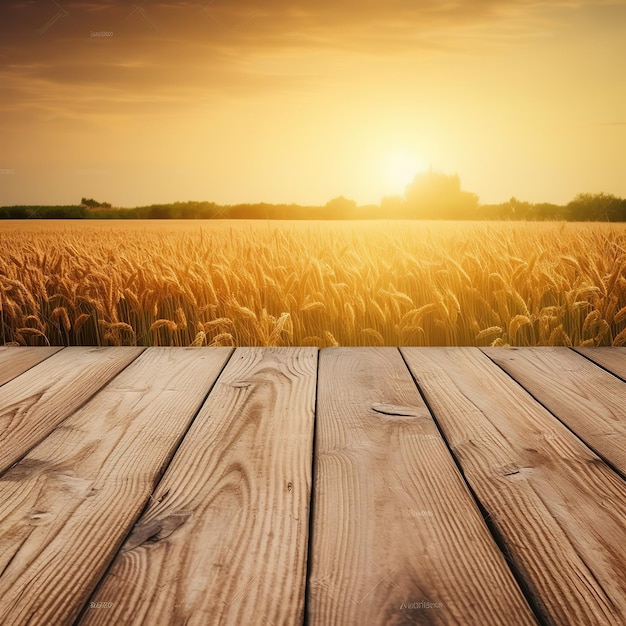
(16, 360)
(68, 505)
(224, 538)
(35, 403)
(395, 526)
(543, 493)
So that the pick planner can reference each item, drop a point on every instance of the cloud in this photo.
(212, 33)
(246, 24)
(182, 51)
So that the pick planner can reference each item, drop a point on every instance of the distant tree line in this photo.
(431, 195)
(585, 207)
(94, 204)
(69, 212)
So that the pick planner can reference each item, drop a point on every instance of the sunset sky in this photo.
(241, 101)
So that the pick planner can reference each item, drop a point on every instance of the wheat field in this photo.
(312, 283)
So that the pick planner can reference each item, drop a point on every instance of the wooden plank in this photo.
(16, 360)
(35, 403)
(397, 537)
(586, 398)
(559, 510)
(67, 507)
(611, 359)
(224, 540)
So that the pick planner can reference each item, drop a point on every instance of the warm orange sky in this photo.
(278, 101)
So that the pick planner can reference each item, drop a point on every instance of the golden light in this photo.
(399, 169)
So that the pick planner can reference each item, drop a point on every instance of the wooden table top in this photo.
(343, 486)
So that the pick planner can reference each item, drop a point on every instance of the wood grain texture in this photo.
(558, 508)
(394, 524)
(16, 360)
(33, 404)
(67, 506)
(612, 359)
(586, 398)
(224, 540)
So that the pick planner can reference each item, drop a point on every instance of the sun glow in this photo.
(399, 169)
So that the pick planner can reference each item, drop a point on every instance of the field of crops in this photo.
(312, 283)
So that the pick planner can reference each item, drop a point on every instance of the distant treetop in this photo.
(94, 204)
(438, 195)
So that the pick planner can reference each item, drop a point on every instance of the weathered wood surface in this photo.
(138, 490)
(68, 505)
(224, 539)
(32, 405)
(612, 359)
(586, 398)
(558, 509)
(394, 525)
(16, 360)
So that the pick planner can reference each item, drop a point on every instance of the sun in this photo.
(399, 169)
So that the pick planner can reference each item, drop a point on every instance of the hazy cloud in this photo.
(273, 24)
(123, 44)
